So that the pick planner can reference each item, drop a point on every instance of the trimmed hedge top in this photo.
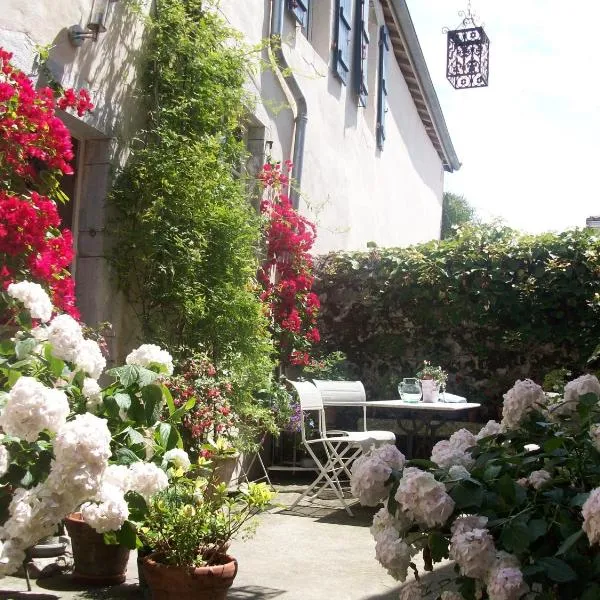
(490, 306)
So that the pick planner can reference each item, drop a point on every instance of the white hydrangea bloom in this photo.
(423, 498)
(393, 553)
(93, 394)
(110, 513)
(453, 451)
(468, 523)
(88, 358)
(151, 354)
(523, 482)
(179, 458)
(519, 401)
(4, 460)
(117, 476)
(474, 552)
(370, 472)
(537, 479)
(65, 336)
(591, 516)
(32, 407)
(505, 581)
(595, 436)
(490, 428)
(34, 298)
(412, 591)
(147, 479)
(586, 384)
(383, 519)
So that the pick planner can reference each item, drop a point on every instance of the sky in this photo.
(529, 143)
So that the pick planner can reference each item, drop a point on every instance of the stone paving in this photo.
(316, 552)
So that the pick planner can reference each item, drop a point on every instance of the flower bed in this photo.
(516, 506)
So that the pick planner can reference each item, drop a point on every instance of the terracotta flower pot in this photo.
(167, 582)
(96, 563)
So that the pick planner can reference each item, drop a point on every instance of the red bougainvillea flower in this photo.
(35, 146)
(286, 274)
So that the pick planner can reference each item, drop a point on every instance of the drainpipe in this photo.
(277, 13)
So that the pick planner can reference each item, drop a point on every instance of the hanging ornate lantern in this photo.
(468, 53)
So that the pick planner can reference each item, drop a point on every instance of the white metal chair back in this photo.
(342, 392)
(310, 400)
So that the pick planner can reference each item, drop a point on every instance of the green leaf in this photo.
(55, 364)
(127, 535)
(579, 499)
(557, 570)
(152, 397)
(178, 414)
(570, 541)
(24, 348)
(124, 456)
(438, 545)
(137, 412)
(589, 399)
(491, 472)
(515, 536)
(592, 592)
(467, 496)
(506, 488)
(131, 374)
(135, 437)
(537, 528)
(553, 444)
(422, 463)
(168, 436)
(169, 399)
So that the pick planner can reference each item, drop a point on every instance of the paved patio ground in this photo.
(315, 552)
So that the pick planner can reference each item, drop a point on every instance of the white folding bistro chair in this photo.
(339, 450)
(351, 394)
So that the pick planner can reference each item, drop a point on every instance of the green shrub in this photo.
(186, 235)
(490, 306)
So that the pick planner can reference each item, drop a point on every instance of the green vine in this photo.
(186, 235)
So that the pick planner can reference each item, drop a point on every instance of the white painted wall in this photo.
(355, 192)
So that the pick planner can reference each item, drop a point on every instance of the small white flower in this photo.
(468, 523)
(393, 553)
(453, 451)
(33, 297)
(595, 436)
(537, 479)
(591, 516)
(179, 458)
(117, 476)
(93, 394)
(110, 513)
(474, 552)
(147, 479)
(148, 355)
(489, 429)
(31, 408)
(423, 498)
(4, 460)
(519, 401)
(88, 358)
(383, 519)
(65, 335)
(505, 579)
(586, 384)
(457, 472)
(412, 591)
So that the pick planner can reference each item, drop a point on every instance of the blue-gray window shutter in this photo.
(300, 9)
(384, 49)
(343, 40)
(362, 50)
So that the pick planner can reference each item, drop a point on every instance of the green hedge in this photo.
(490, 306)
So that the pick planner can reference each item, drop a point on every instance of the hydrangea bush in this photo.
(66, 443)
(516, 507)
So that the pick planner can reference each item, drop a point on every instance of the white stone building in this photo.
(350, 100)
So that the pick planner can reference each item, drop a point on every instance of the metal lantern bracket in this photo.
(95, 26)
(468, 53)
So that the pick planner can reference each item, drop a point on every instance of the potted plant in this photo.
(433, 380)
(190, 531)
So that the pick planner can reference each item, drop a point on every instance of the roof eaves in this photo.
(414, 68)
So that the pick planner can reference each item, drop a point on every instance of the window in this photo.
(301, 10)
(384, 48)
(362, 50)
(343, 39)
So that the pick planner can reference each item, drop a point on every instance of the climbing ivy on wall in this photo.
(490, 306)
(186, 236)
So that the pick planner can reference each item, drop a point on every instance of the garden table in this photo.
(425, 418)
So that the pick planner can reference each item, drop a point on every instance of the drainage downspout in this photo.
(277, 13)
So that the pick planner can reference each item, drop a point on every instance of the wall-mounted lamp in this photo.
(96, 24)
